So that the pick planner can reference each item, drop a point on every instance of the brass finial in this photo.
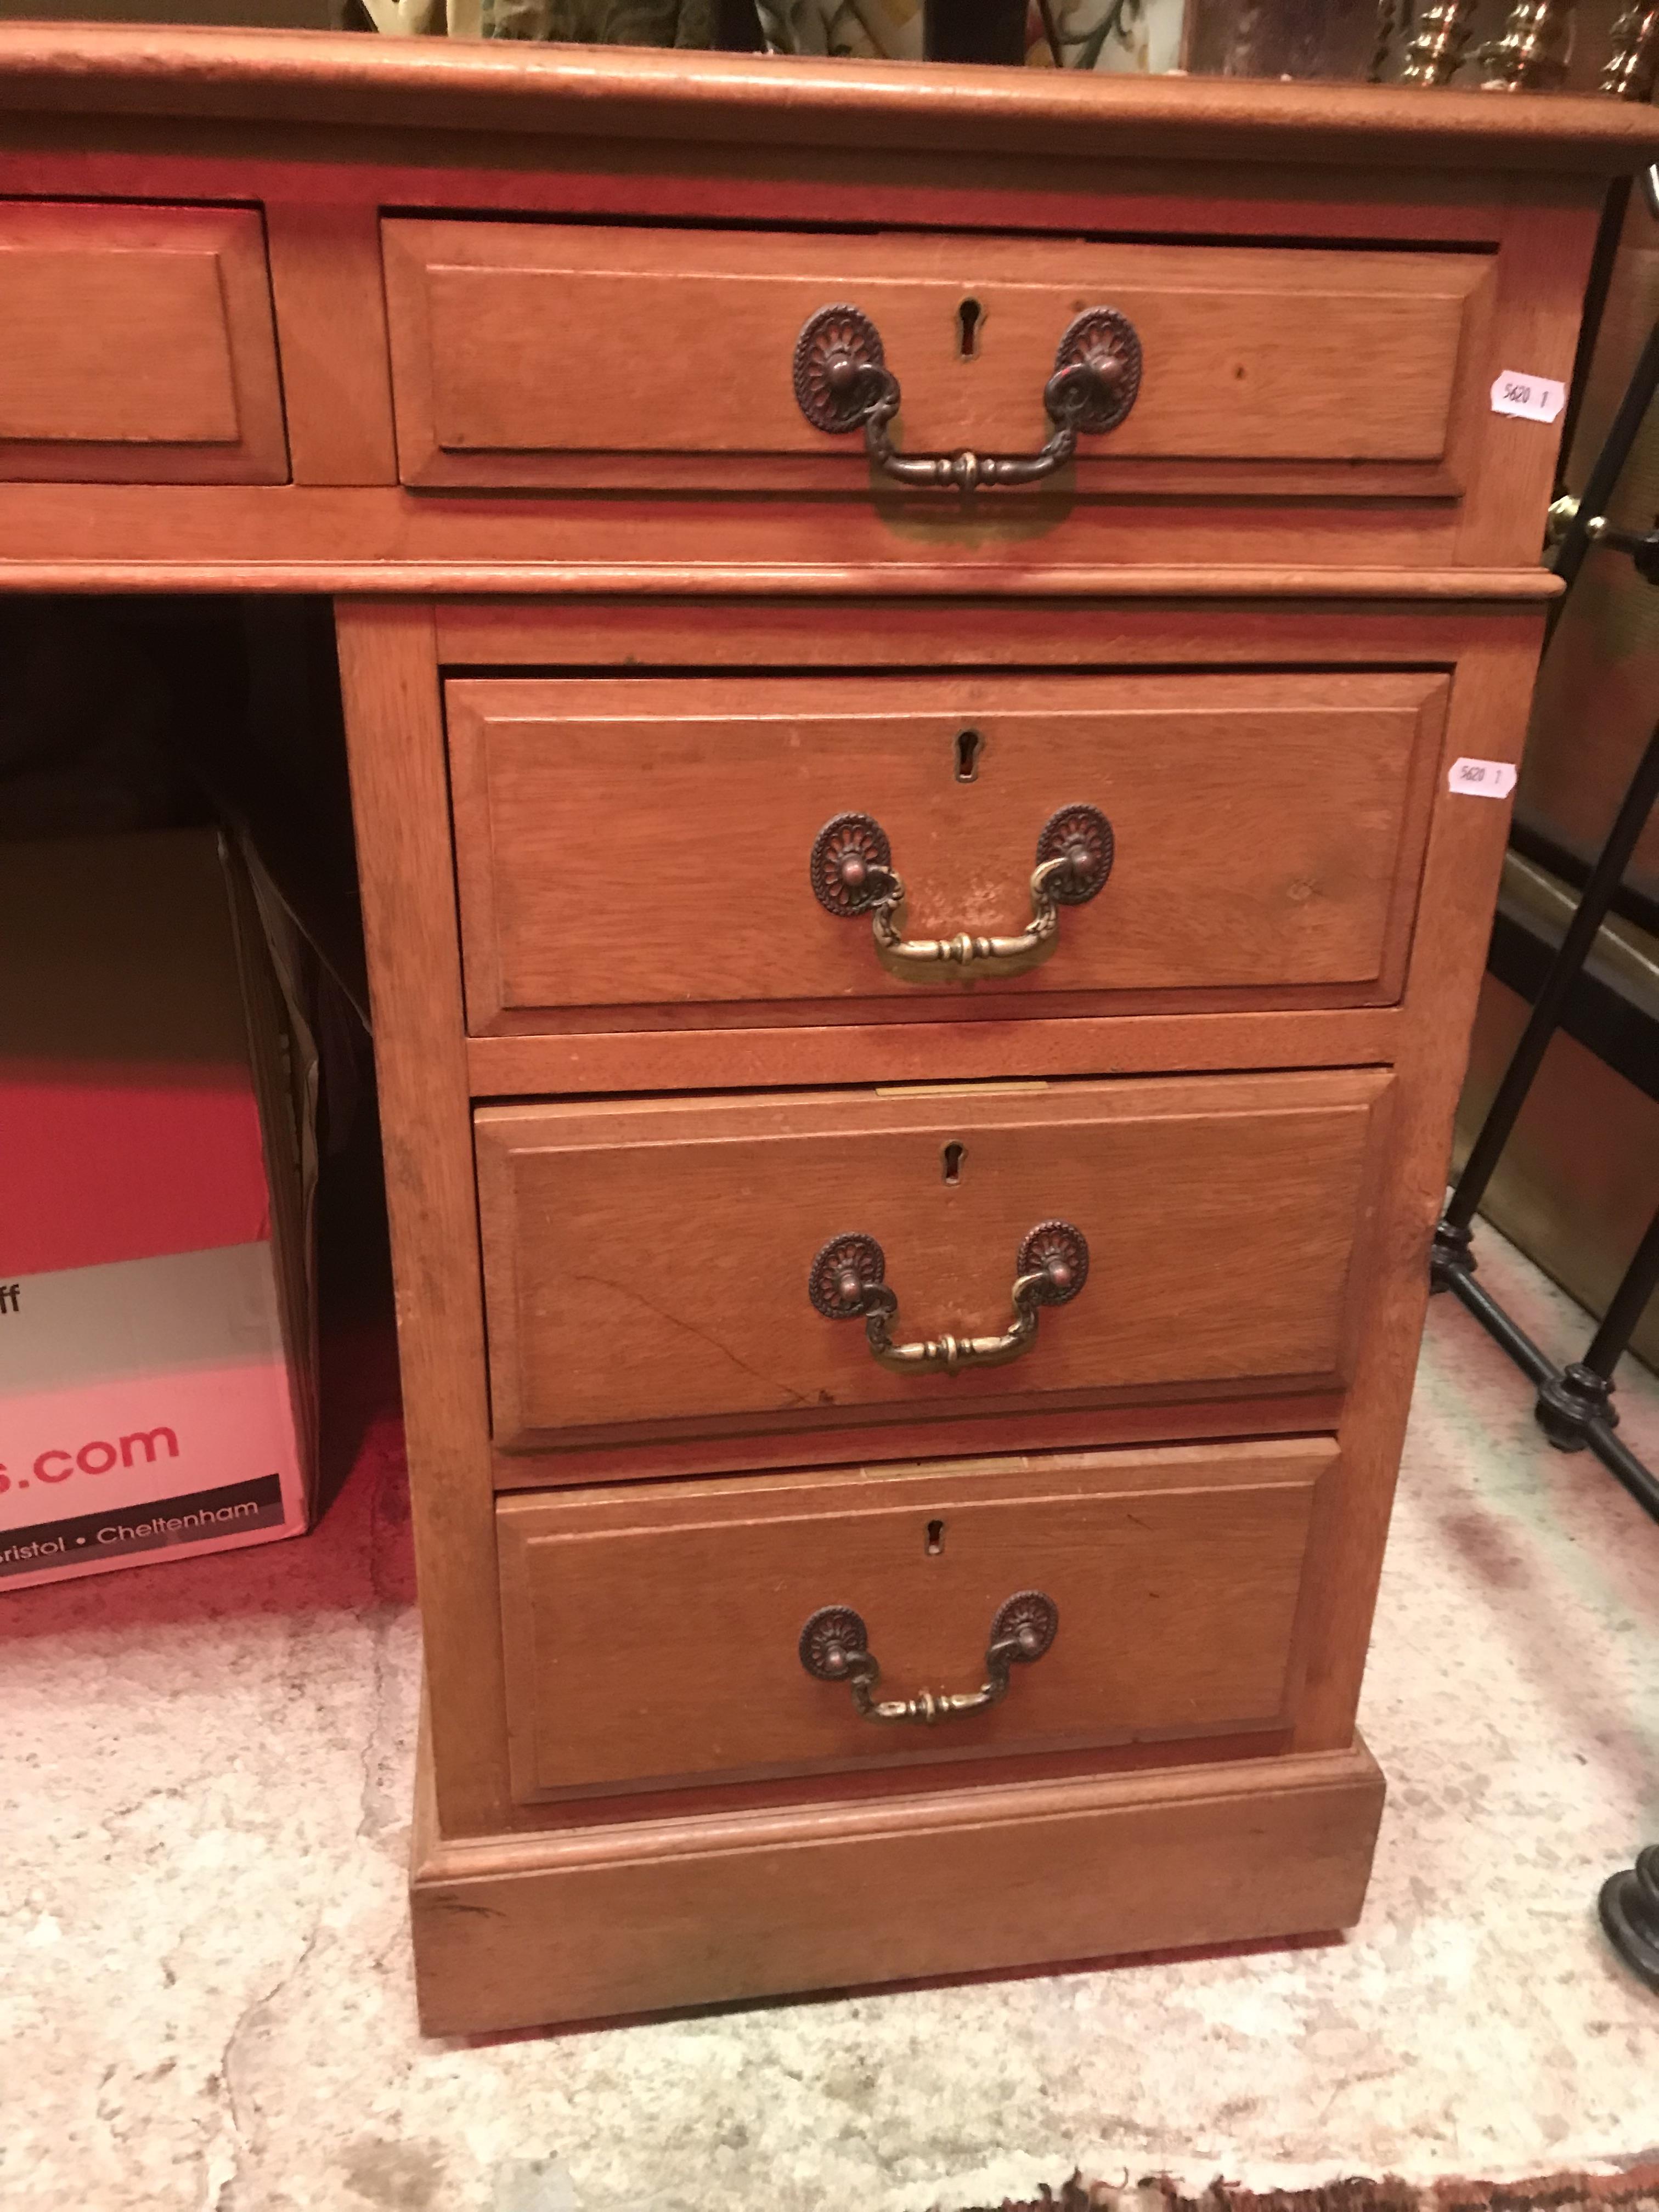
(1633, 65)
(1532, 54)
(1435, 52)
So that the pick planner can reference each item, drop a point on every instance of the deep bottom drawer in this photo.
(661, 1636)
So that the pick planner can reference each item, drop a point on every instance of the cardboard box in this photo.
(157, 1091)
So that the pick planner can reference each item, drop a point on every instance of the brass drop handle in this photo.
(852, 873)
(842, 383)
(835, 1647)
(847, 1283)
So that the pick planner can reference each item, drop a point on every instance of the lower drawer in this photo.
(661, 1636)
(1262, 840)
(659, 1269)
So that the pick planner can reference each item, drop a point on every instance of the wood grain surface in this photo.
(394, 739)
(618, 93)
(520, 350)
(648, 1261)
(715, 1055)
(641, 1916)
(138, 345)
(1177, 1576)
(1268, 834)
(1459, 887)
(1268, 614)
(326, 275)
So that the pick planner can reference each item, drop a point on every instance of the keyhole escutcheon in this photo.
(935, 1539)
(970, 318)
(970, 746)
(951, 1158)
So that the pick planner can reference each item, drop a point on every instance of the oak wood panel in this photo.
(984, 634)
(640, 1917)
(520, 350)
(221, 569)
(1148, 196)
(623, 93)
(1160, 1416)
(802, 1057)
(138, 345)
(375, 537)
(1496, 649)
(394, 738)
(648, 1262)
(337, 374)
(1542, 274)
(758, 1886)
(286, 152)
(722, 1797)
(1487, 719)
(1176, 1575)
(1268, 833)
(1206, 616)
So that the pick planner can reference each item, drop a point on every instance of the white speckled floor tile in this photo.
(205, 1985)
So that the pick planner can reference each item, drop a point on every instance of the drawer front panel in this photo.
(1267, 835)
(649, 1267)
(139, 346)
(529, 354)
(657, 1642)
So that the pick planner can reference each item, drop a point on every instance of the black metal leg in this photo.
(1628, 1304)
(1451, 1239)
(1583, 1395)
(1592, 1431)
(1574, 1402)
(1574, 1407)
(1629, 1914)
(1609, 463)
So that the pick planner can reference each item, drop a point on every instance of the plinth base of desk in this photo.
(599, 1921)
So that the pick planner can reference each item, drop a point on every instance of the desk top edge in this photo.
(301, 78)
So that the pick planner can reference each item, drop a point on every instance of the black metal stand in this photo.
(1630, 1913)
(1574, 1407)
(1583, 514)
(1578, 537)
(1574, 1402)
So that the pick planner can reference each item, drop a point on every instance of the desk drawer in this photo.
(658, 1639)
(138, 345)
(667, 1268)
(627, 850)
(528, 355)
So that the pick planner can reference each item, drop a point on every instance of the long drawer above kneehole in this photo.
(689, 1632)
(643, 851)
(754, 1266)
(533, 355)
(139, 346)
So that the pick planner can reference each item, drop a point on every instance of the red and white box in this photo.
(157, 1085)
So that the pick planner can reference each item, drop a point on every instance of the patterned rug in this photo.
(1636, 2190)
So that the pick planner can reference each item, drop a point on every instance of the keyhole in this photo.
(969, 744)
(952, 1157)
(970, 316)
(935, 1539)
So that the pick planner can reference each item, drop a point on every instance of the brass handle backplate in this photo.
(847, 1283)
(842, 384)
(851, 872)
(835, 1647)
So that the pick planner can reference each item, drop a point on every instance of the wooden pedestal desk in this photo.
(918, 1000)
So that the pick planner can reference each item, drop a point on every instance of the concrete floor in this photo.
(204, 1984)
